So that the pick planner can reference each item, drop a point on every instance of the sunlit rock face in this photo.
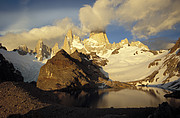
(42, 50)
(100, 37)
(55, 49)
(139, 44)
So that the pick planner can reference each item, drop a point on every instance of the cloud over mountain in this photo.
(142, 17)
(49, 34)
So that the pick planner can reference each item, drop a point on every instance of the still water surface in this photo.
(125, 98)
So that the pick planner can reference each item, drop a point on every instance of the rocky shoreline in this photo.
(19, 99)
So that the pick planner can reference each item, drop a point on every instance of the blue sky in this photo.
(135, 20)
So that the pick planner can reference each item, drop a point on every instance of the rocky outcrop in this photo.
(100, 37)
(8, 72)
(55, 49)
(176, 46)
(98, 60)
(139, 45)
(42, 50)
(68, 42)
(68, 71)
(123, 42)
(23, 50)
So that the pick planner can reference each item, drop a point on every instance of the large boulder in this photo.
(69, 71)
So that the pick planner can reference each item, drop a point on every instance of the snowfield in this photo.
(131, 64)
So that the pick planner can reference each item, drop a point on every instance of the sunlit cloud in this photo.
(51, 34)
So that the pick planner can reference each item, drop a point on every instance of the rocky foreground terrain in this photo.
(19, 99)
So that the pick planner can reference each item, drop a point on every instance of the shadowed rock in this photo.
(8, 72)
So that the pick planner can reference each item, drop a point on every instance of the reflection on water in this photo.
(125, 98)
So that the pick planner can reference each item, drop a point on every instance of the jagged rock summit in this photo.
(100, 37)
(97, 42)
(42, 50)
(55, 49)
(23, 50)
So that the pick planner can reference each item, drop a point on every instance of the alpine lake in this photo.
(124, 98)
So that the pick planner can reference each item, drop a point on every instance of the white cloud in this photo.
(49, 34)
(97, 18)
(142, 17)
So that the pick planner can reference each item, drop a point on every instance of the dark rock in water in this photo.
(8, 72)
(165, 111)
(69, 71)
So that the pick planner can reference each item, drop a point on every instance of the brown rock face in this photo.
(176, 46)
(68, 71)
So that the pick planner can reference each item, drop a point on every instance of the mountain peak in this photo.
(139, 45)
(176, 46)
(55, 49)
(42, 50)
(100, 37)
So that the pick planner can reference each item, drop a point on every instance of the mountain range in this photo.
(95, 60)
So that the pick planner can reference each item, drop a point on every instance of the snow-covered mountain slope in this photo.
(131, 64)
(27, 64)
(167, 71)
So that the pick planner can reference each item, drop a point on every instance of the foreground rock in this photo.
(8, 72)
(73, 71)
